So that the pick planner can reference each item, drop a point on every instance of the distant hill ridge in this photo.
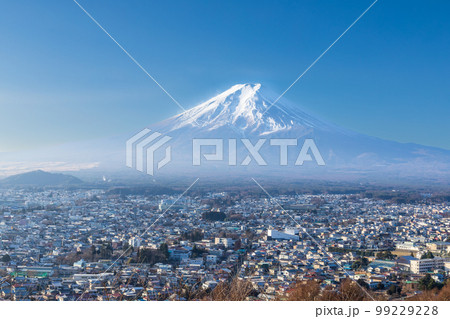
(41, 178)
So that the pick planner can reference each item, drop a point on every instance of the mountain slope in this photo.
(244, 107)
(243, 111)
(40, 178)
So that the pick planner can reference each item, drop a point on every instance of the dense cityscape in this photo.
(98, 244)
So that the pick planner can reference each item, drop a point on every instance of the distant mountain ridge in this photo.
(41, 178)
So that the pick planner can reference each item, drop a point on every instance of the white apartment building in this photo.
(227, 242)
(420, 266)
(135, 242)
(407, 246)
(274, 234)
(447, 266)
(438, 246)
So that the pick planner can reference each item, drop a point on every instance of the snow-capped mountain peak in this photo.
(248, 108)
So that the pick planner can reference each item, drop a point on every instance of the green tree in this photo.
(428, 283)
(197, 252)
(394, 289)
(214, 216)
(194, 235)
(164, 249)
(106, 250)
(356, 265)
(6, 258)
(364, 262)
(93, 250)
(387, 255)
(360, 263)
(427, 255)
(150, 256)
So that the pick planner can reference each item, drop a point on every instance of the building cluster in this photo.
(68, 244)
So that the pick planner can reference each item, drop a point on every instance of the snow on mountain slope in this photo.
(244, 106)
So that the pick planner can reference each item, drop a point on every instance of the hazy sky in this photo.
(62, 79)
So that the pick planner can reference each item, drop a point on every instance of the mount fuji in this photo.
(245, 112)
(246, 108)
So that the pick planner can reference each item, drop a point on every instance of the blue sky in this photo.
(62, 79)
